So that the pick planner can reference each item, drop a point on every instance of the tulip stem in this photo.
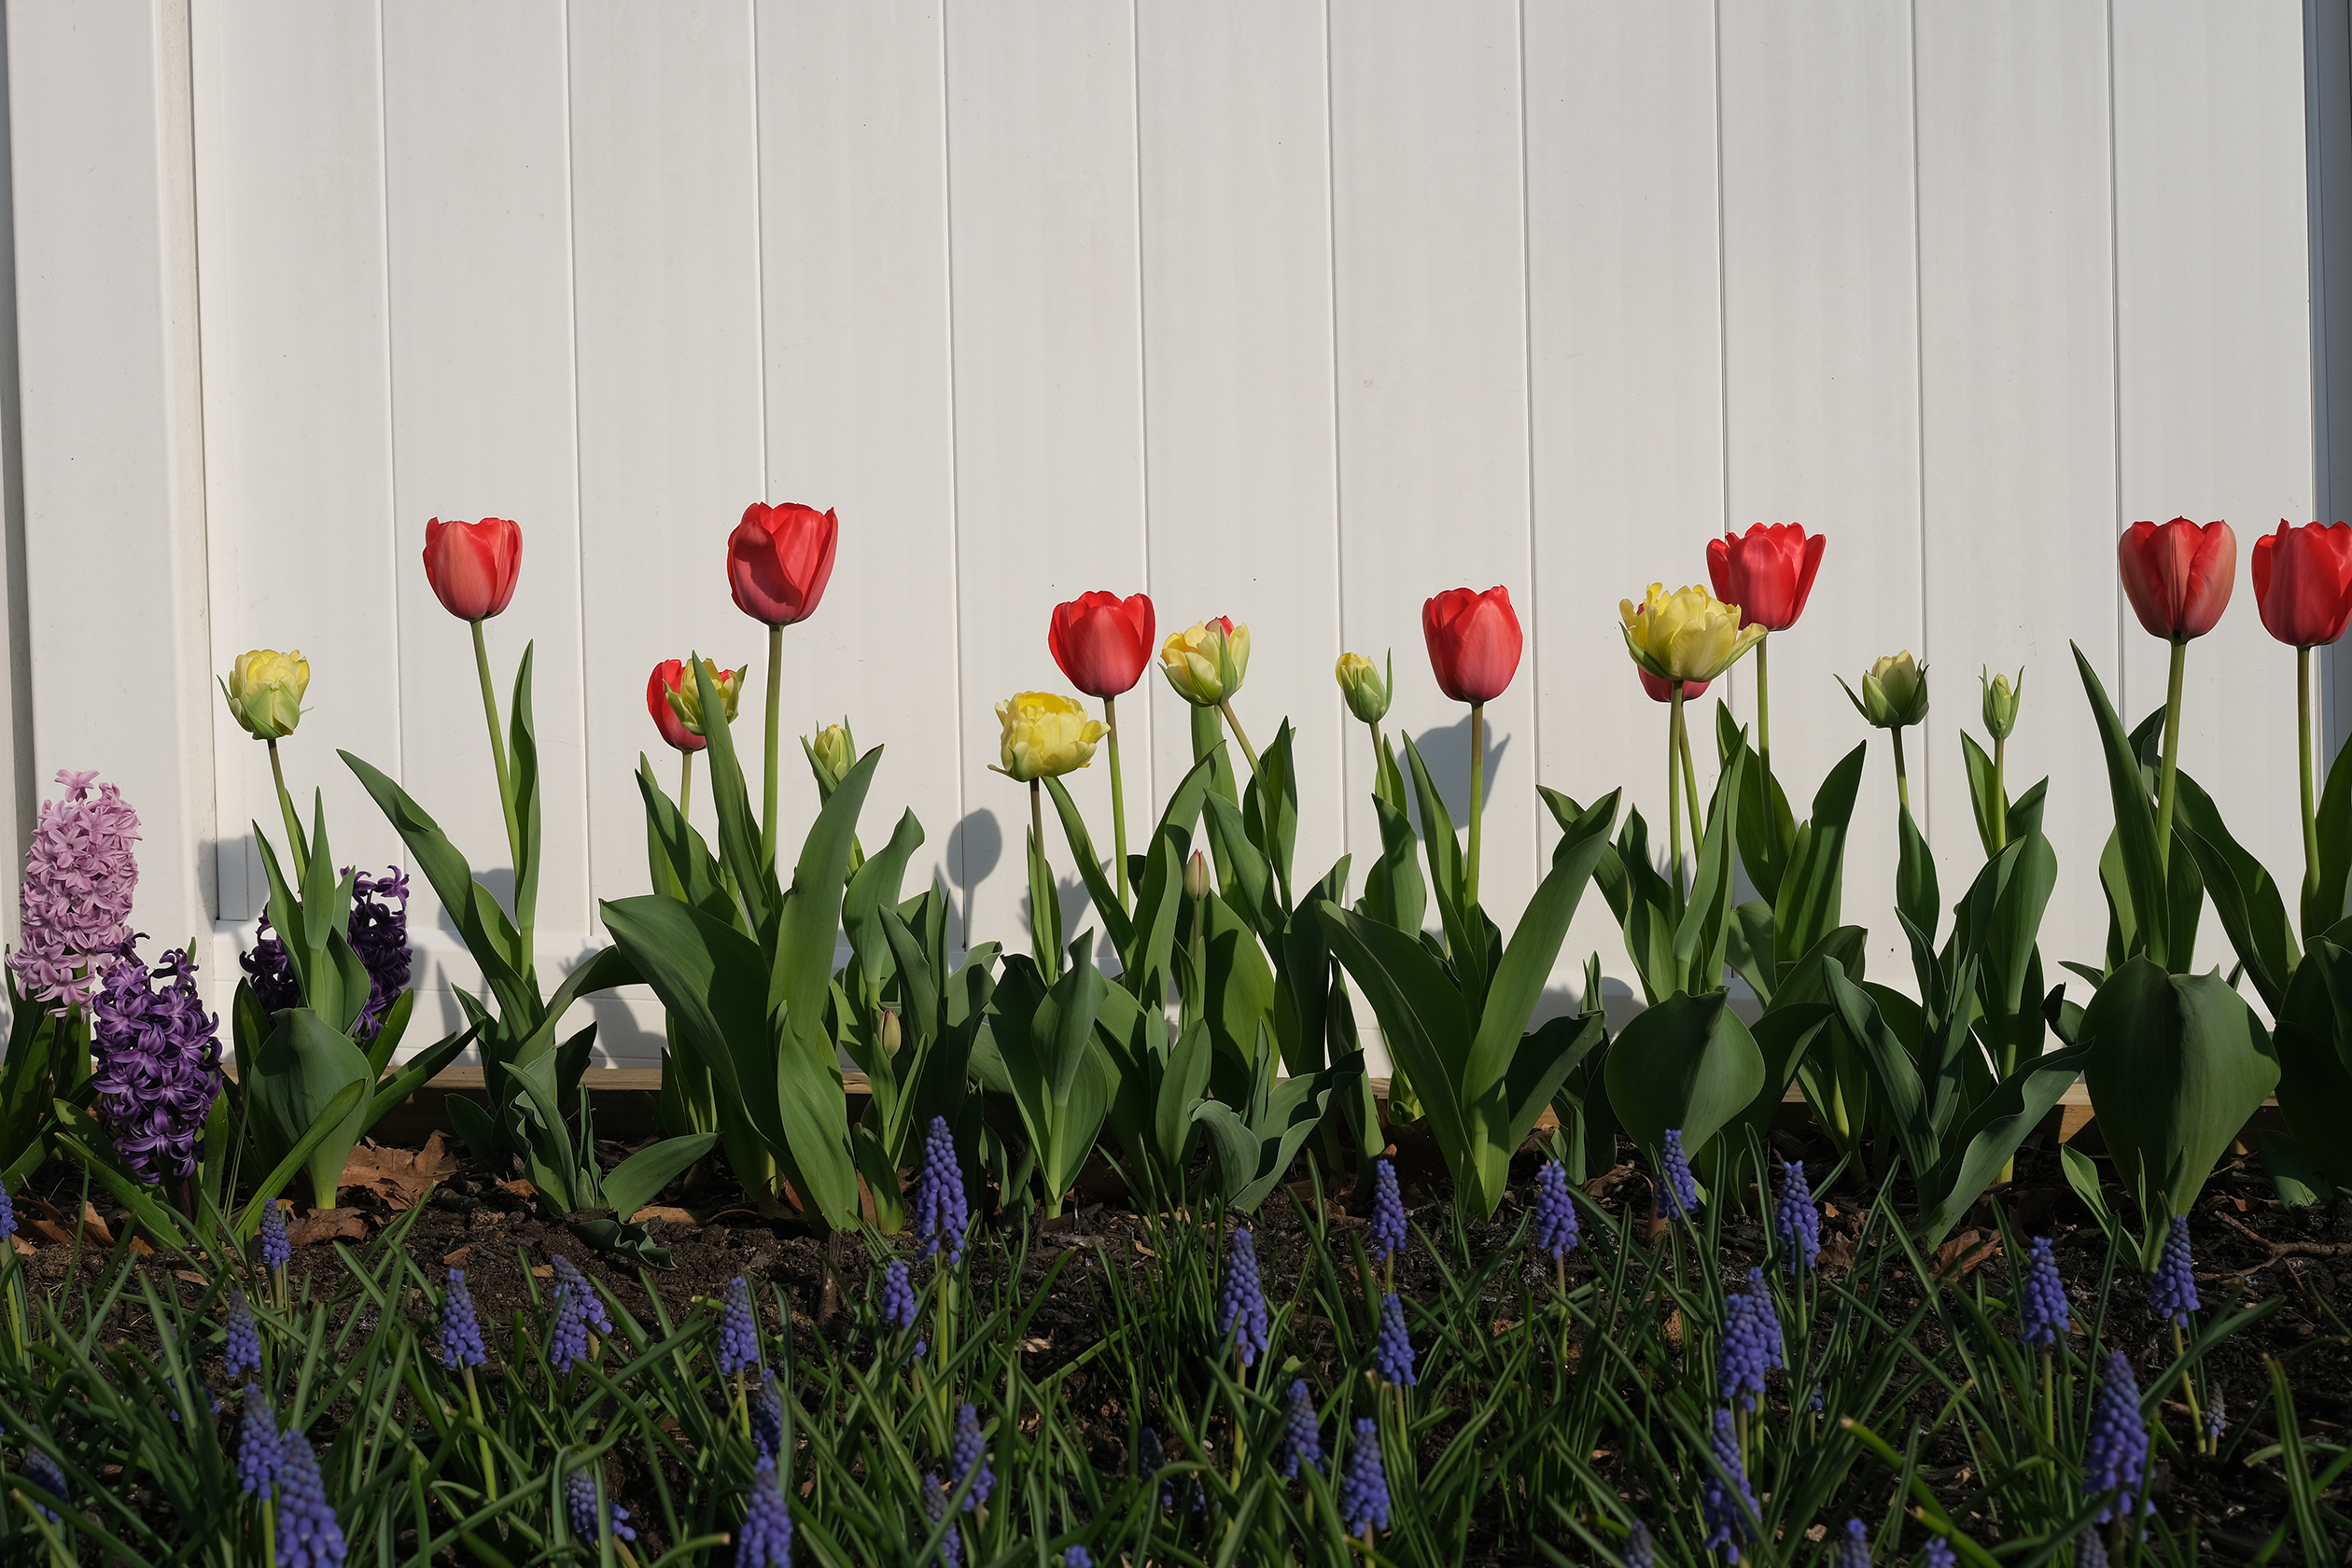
(301, 851)
(499, 760)
(775, 703)
(1902, 775)
(1477, 801)
(1118, 800)
(2302, 773)
(2172, 758)
(686, 787)
(1249, 753)
(1673, 790)
(2001, 795)
(1764, 728)
(1037, 822)
(1690, 787)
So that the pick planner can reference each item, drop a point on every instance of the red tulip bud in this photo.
(2177, 575)
(472, 565)
(780, 559)
(2302, 582)
(1661, 691)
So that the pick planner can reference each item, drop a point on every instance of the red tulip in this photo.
(1660, 692)
(1103, 642)
(780, 559)
(2177, 575)
(670, 676)
(2302, 582)
(1768, 572)
(1474, 642)
(472, 565)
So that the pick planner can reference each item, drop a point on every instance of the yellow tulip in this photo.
(836, 753)
(1688, 635)
(685, 700)
(1894, 692)
(265, 691)
(1360, 682)
(1206, 661)
(1046, 736)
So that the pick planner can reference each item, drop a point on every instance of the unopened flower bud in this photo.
(890, 1032)
(836, 753)
(1196, 877)
(265, 691)
(1206, 662)
(1360, 682)
(2000, 703)
(1894, 692)
(685, 699)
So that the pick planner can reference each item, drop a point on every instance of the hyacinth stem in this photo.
(1673, 785)
(489, 1466)
(685, 786)
(1902, 774)
(269, 1528)
(2049, 1411)
(1740, 1421)
(2189, 1389)
(743, 1406)
(499, 755)
(301, 852)
(1477, 801)
(1118, 800)
(2302, 773)
(2171, 768)
(775, 711)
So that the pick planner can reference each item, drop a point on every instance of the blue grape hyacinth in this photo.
(767, 1415)
(1363, 1493)
(1751, 1342)
(42, 1469)
(1388, 1235)
(579, 1510)
(1302, 1432)
(935, 1510)
(460, 1333)
(1726, 1504)
(2172, 1291)
(1639, 1550)
(1941, 1555)
(2115, 1457)
(1078, 1557)
(307, 1534)
(567, 1337)
(241, 1348)
(8, 1214)
(2041, 1298)
(898, 1295)
(2217, 1418)
(591, 1306)
(259, 1448)
(1241, 1302)
(738, 1331)
(1555, 1228)
(2090, 1551)
(1854, 1546)
(276, 1251)
(1797, 1217)
(968, 1455)
(941, 1214)
(766, 1540)
(1393, 1351)
(1678, 1189)
(1151, 1456)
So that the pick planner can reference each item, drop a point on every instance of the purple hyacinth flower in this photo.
(1555, 1230)
(968, 1455)
(1639, 1550)
(941, 1214)
(1393, 1351)
(1726, 1504)
(738, 1331)
(277, 1252)
(460, 1330)
(898, 1295)
(155, 1059)
(8, 1214)
(767, 1415)
(79, 876)
(591, 1306)
(307, 1534)
(2090, 1551)
(1078, 1557)
(259, 1448)
(1241, 1301)
(1678, 1189)
(1941, 1555)
(766, 1540)
(379, 934)
(2172, 1291)
(241, 1347)
(1854, 1547)
(1797, 1217)
(42, 1469)
(1388, 1235)
(268, 969)
(2041, 1298)
(935, 1510)
(2115, 1456)
(1363, 1493)
(1751, 1342)
(1302, 1432)
(2217, 1418)
(579, 1510)
(568, 1335)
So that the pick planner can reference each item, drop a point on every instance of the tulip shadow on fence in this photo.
(974, 846)
(1446, 751)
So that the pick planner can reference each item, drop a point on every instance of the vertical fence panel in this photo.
(1430, 281)
(2214, 346)
(1049, 437)
(853, 219)
(1627, 352)
(1237, 357)
(2017, 337)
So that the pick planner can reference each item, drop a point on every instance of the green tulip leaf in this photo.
(1987, 1138)
(302, 1068)
(2137, 894)
(1687, 1063)
(2324, 905)
(1811, 894)
(2314, 1041)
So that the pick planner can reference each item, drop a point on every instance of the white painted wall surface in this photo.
(1292, 310)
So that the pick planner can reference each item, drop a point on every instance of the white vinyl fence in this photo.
(1296, 311)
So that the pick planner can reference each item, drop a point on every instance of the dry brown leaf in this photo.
(544, 1271)
(1962, 1254)
(400, 1177)
(518, 1189)
(666, 1213)
(327, 1225)
(1145, 1251)
(23, 1246)
(457, 1258)
(190, 1277)
(1836, 1251)
(53, 1225)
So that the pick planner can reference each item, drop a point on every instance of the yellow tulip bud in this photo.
(1196, 877)
(1046, 736)
(2000, 703)
(265, 691)
(892, 1034)
(1360, 682)
(1688, 635)
(1894, 692)
(1206, 661)
(836, 753)
(686, 701)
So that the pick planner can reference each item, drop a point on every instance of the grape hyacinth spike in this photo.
(42, 1469)
(1941, 1555)
(2172, 1291)
(1302, 1432)
(2041, 1298)
(766, 1540)
(738, 1331)
(591, 1306)
(935, 1510)
(460, 1330)
(1388, 1233)
(259, 1448)
(241, 1349)
(941, 1214)
(2115, 1457)
(307, 1534)
(1678, 1189)
(1363, 1493)
(567, 1337)
(898, 1295)
(579, 1510)
(1393, 1351)
(968, 1455)
(767, 1415)
(1241, 1302)
(275, 1251)
(1854, 1546)
(1639, 1550)
(1726, 1504)
(1797, 1217)
(1554, 1233)
(1751, 1342)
